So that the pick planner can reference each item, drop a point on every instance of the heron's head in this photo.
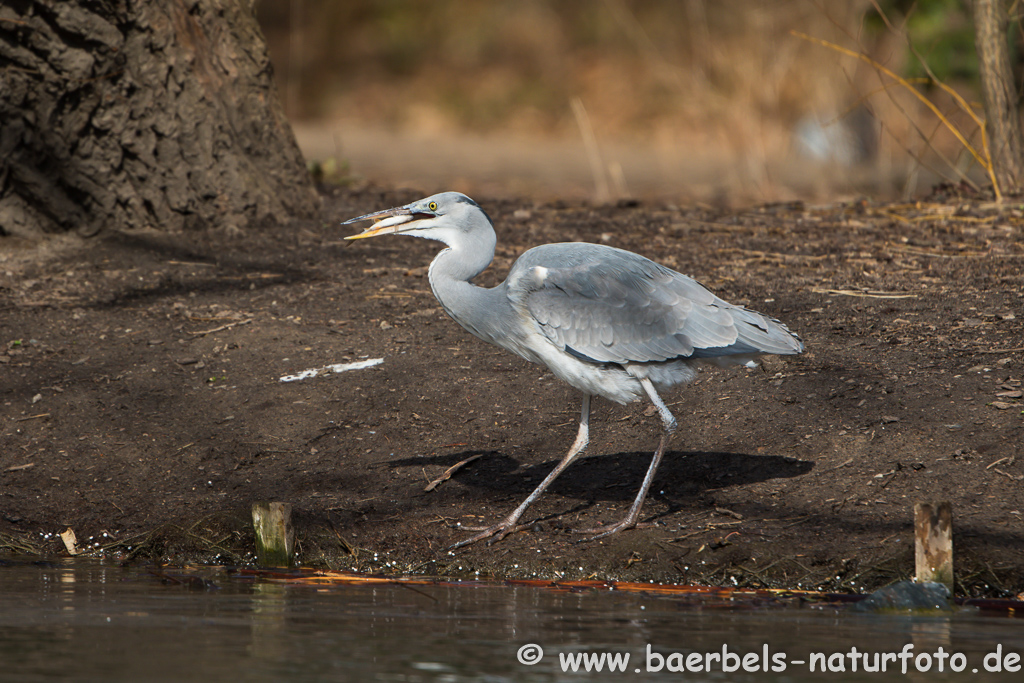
(447, 217)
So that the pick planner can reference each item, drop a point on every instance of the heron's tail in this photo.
(768, 335)
(757, 334)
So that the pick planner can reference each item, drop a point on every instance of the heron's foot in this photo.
(602, 531)
(498, 532)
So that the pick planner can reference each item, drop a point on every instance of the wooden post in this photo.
(274, 534)
(933, 532)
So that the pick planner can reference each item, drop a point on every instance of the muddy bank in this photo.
(142, 399)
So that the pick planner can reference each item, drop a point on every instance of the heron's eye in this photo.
(432, 206)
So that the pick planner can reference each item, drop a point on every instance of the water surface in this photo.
(89, 621)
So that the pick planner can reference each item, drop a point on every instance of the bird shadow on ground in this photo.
(617, 477)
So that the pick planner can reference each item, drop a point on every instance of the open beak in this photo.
(387, 222)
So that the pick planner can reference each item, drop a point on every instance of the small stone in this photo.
(889, 419)
(1001, 405)
(1011, 394)
(385, 325)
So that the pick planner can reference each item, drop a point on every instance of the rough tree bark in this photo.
(125, 114)
(1002, 116)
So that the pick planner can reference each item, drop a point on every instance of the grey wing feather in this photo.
(608, 305)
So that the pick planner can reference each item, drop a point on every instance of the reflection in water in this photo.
(86, 621)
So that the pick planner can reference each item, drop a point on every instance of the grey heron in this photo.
(606, 321)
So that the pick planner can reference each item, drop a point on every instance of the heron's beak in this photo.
(387, 222)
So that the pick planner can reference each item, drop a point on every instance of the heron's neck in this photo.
(464, 259)
(450, 274)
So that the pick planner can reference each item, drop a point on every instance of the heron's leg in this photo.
(508, 525)
(668, 421)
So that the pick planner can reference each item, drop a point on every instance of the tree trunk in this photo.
(1002, 118)
(125, 114)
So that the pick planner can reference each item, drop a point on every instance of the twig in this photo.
(885, 87)
(924, 252)
(32, 417)
(714, 526)
(869, 295)
(686, 536)
(208, 542)
(799, 520)
(20, 545)
(450, 471)
(221, 328)
(983, 158)
(779, 256)
(593, 153)
(345, 544)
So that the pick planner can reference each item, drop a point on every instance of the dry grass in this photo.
(729, 79)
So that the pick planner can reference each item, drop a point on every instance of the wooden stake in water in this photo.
(933, 532)
(274, 534)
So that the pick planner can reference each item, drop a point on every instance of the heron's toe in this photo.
(602, 531)
(498, 531)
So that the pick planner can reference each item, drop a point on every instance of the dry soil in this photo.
(143, 405)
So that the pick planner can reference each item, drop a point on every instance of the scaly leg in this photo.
(669, 423)
(508, 525)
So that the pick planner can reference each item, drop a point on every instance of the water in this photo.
(93, 622)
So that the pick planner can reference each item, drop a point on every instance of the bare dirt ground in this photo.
(142, 399)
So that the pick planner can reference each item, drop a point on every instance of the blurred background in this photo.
(728, 102)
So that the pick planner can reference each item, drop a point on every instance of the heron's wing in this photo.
(620, 307)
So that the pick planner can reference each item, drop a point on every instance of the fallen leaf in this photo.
(70, 542)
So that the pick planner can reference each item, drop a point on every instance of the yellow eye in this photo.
(432, 206)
